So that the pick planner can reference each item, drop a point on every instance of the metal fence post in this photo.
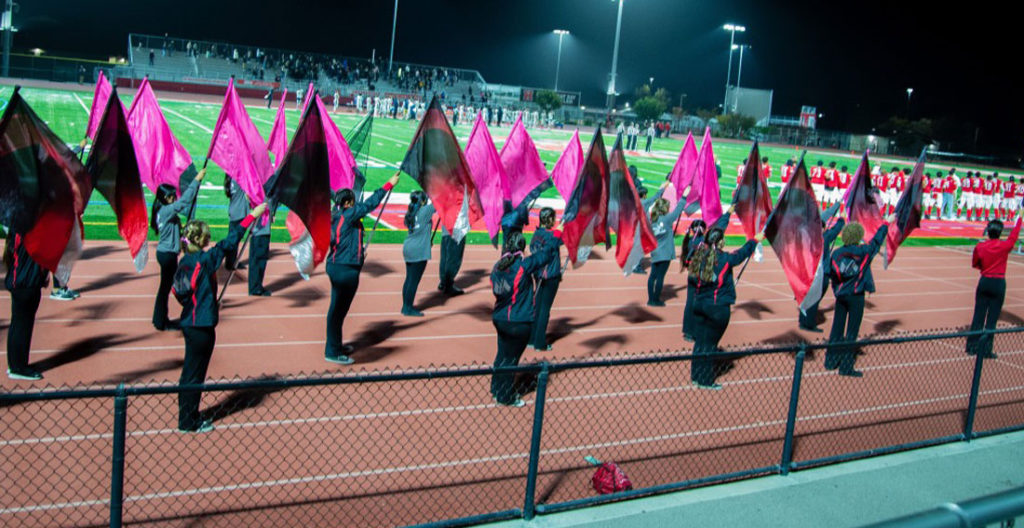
(794, 399)
(117, 457)
(972, 404)
(529, 505)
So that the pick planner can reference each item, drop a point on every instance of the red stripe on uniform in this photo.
(195, 277)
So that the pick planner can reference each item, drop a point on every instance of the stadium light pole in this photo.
(558, 62)
(394, 25)
(7, 26)
(615, 60)
(739, 77)
(732, 29)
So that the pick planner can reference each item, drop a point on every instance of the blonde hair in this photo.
(852, 234)
(659, 210)
(195, 236)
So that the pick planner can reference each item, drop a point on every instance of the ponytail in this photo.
(659, 210)
(702, 265)
(512, 248)
(416, 201)
(195, 236)
(162, 193)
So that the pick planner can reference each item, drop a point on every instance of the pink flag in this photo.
(488, 174)
(522, 164)
(568, 167)
(277, 143)
(161, 157)
(310, 94)
(99, 104)
(339, 155)
(238, 147)
(682, 174)
(705, 183)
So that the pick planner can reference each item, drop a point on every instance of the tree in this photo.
(649, 108)
(734, 125)
(908, 136)
(548, 100)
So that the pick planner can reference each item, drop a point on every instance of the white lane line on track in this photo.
(484, 460)
(629, 328)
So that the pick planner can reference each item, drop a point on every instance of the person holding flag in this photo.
(663, 224)
(513, 315)
(850, 272)
(259, 253)
(693, 240)
(990, 258)
(451, 262)
(25, 281)
(716, 293)
(164, 220)
(238, 207)
(200, 313)
(416, 248)
(345, 262)
(808, 319)
(548, 278)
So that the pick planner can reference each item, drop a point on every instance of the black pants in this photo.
(231, 256)
(710, 326)
(690, 318)
(24, 303)
(845, 327)
(809, 319)
(648, 146)
(413, 274)
(988, 304)
(259, 251)
(168, 265)
(199, 343)
(512, 341)
(344, 283)
(546, 291)
(451, 261)
(656, 281)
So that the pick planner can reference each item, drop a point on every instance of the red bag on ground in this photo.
(609, 478)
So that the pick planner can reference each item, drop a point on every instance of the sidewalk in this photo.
(837, 496)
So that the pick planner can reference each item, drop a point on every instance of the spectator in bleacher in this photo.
(152, 57)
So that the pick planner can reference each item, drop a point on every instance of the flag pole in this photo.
(377, 221)
(241, 250)
(434, 232)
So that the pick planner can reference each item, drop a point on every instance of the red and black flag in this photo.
(302, 183)
(796, 234)
(863, 200)
(586, 212)
(436, 162)
(752, 201)
(908, 211)
(115, 174)
(43, 186)
(359, 144)
(626, 216)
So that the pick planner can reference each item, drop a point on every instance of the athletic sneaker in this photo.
(544, 348)
(62, 294)
(204, 427)
(411, 312)
(656, 304)
(340, 359)
(74, 293)
(852, 373)
(713, 386)
(518, 403)
(27, 374)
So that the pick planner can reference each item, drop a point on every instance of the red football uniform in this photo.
(892, 181)
(787, 173)
(766, 171)
(882, 182)
(949, 185)
(976, 185)
(901, 181)
(831, 178)
(1008, 189)
(988, 187)
(926, 184)
(817, 175)
(739, 172)
(844, 180)
(1020, 189)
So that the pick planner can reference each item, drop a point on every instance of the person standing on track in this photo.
(513, 314)
(345, 262)
(165, 221)
(238, 206)
(693, 240)
(259, 253)
(808, 320)
(416, 248)
(451, 262)
(990, 258)
(716, 293)
(25, 281)
(850, 272)
(663, 224)
(200, 313)
(549, 277)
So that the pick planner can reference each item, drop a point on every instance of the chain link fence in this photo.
(430, 446)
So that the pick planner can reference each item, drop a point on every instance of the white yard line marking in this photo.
(81, 102)
(198, 125)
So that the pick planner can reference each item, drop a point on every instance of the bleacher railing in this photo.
(429, 446)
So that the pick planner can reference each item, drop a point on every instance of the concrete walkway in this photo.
(837, 496)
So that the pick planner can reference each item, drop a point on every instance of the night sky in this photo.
(853, 60)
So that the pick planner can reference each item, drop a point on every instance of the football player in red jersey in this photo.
(966, 197)
(787, 171)
(766, 169)
(1006, 204)
(818, 181)
(845, 179)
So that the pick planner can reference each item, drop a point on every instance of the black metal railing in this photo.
(429, 446)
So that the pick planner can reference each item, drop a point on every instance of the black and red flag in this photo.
(43, 186)
(302, 183)
(626, 216)
(863, 201)
(436, 162)
(753, 201)
(908, 211)
(585, 220)
(115, 174)
(796, 234)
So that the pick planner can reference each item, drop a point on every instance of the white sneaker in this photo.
(61, 295)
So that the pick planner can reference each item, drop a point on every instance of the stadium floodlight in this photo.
(558, 62)
(732, 29)
(394, 25)
(910, 91)
(615, 59)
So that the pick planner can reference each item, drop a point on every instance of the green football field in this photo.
(66, 112)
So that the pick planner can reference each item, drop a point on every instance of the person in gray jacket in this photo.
(416, 249)
(238, 207)
(165, 222)
(663, 224)
(259, 252)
